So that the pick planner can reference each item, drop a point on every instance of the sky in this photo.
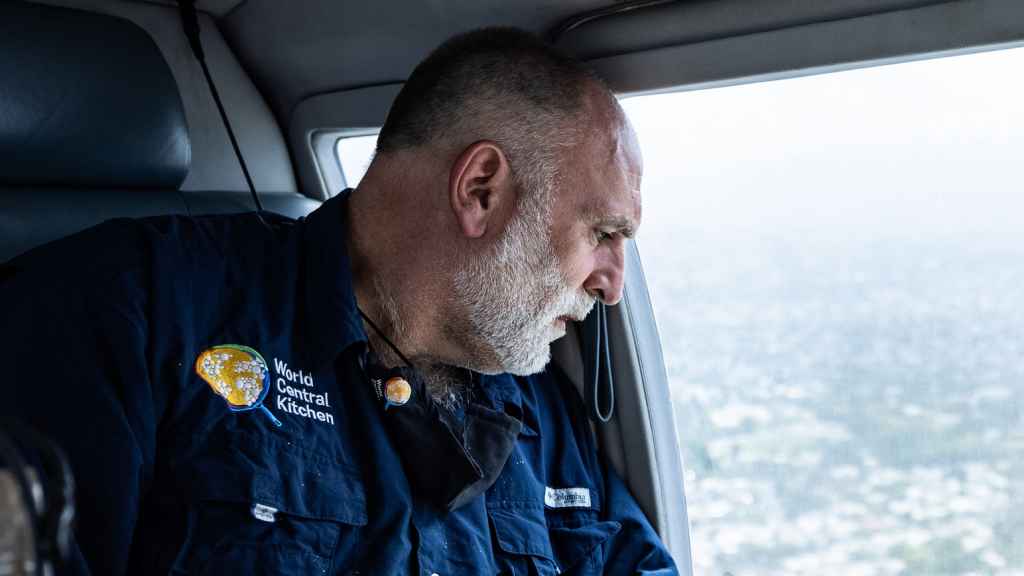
(927, 146)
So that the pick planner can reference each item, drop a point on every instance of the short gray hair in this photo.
(500, 84)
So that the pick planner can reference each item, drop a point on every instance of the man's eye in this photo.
(601, 235)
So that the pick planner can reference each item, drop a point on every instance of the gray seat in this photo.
(92, 128)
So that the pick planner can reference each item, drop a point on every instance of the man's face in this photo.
(596, 211)
(555, 261)
(515, 297)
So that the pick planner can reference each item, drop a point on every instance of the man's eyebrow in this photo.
(621, 224)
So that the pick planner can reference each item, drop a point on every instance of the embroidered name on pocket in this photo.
(566, 497)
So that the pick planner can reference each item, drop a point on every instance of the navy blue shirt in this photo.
(206, 376)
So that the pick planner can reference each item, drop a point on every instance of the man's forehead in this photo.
(619, 207)
(612, 168)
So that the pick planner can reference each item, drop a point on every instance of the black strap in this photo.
(598, 385)
(190, 25)
(384, 337)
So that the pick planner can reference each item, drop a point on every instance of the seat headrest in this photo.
(86, 100)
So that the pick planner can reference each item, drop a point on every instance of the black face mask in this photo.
(445, 463)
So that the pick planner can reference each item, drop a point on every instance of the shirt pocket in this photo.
(266, 507)
(523, 545)
(578, 539)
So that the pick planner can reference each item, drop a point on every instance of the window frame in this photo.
(319, 121)
(325, 146)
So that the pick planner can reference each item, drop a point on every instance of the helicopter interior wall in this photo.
(319, 121)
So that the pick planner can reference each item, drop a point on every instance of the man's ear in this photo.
(480, 188)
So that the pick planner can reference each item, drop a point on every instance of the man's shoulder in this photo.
(147, 254)
(122, 245)
(89, 255)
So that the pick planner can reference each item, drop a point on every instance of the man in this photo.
(361, 391)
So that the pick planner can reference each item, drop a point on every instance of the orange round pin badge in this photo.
(397, 391)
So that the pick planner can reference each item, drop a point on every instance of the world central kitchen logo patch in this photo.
(240, 376)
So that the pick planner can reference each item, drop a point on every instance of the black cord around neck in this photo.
(383, 337)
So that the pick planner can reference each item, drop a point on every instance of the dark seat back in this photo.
(92, 128)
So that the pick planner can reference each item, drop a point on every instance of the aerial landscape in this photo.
(846, 407)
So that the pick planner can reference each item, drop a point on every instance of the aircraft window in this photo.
(836, 265)
(354, 155)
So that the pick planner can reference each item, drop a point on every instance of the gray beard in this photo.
(447, 385)
(510, 300)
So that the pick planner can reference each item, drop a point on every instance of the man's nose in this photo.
(605, 282)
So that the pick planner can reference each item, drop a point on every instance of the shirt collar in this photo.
(331, 317)
(506, 394)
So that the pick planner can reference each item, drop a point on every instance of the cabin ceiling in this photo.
(300, 48)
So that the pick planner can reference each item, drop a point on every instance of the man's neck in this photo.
(377, 255)
(382, 267)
